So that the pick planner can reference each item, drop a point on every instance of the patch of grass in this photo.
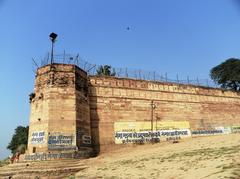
(236, 174)
(234, 167)
(144, 159)
(207, 152)
(71, 177)
(140, 166)
(153, 157)
(126, 162)
(227, 167)
(4, 162)
(181, 168)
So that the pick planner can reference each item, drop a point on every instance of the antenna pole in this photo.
(52, 53)
(53, 37)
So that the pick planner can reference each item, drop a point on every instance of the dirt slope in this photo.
(197, 158)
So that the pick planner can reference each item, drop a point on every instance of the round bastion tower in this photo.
(60, 116)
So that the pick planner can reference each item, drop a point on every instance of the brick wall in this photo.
(59, 109)
(89, 109)
(114, 100)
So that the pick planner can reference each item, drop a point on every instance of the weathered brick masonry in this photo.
(60, 117)
(113, 99)
(84, 109)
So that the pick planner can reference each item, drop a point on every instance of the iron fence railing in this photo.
(91, 69)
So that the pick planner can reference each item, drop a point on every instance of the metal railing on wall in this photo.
(91, 69)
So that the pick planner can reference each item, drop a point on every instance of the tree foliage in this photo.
(19, 139)
(227, 74)
(106, 70)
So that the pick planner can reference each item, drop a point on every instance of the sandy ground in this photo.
(196, 158)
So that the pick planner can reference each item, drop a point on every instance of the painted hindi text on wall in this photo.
(37, 137)
(61, 141)
(141, 132)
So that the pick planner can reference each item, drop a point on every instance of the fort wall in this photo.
(71, 111)
(118, 101)
(59, 117)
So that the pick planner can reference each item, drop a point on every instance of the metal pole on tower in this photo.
(53, 37)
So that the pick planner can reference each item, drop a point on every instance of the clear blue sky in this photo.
(175, 36)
